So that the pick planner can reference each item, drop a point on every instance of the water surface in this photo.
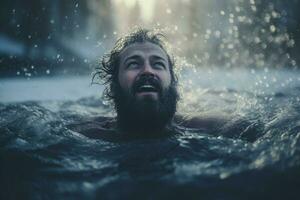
(43, 158)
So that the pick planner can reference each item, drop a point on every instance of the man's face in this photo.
(145, 95)
(139, 61)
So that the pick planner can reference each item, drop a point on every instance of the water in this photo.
(43, 157)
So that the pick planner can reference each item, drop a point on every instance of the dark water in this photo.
(43, 158)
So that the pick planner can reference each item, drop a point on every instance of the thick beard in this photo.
(145, 116)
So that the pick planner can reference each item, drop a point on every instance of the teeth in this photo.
(147, 86)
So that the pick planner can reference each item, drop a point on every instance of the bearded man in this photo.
(142, 83)
(140, 80)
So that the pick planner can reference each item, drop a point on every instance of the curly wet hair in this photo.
(107, 73)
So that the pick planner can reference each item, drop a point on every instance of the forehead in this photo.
(143, 49)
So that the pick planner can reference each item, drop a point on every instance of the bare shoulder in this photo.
(233, 126)
(202, 121)
(94, 127)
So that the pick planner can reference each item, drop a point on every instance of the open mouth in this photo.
(146, 88)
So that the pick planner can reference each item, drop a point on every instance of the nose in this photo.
(147, 69)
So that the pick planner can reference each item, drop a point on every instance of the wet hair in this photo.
(109, 66)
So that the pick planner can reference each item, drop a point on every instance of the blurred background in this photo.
(62, 37)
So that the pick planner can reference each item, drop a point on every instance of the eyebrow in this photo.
(158, 57)
(132, 57)
(136, 57)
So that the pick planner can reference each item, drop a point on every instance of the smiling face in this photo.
(144, 70)
(146, 94)
(141, 83)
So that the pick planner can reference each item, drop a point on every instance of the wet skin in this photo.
(105, 128)
(141, 59)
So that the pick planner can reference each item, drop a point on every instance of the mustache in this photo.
(149, 80)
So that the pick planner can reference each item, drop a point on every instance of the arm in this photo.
(208, 122)
(224, 125)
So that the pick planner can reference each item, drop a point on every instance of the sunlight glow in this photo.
(146, 7)
(128, 3)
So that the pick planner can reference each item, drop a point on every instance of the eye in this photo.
(132, 65)
(159, 65)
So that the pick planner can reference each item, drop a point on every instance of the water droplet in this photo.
(99, 43)
(275, 14)
(217, 34)
(230, 46)
(272, 28)
(257, 40)
(253, 8)
(241, 18)
(267, 18)
(28, 74)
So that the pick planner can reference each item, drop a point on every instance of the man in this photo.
(140, 79)
(141, 83)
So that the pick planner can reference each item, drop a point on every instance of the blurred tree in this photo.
(46, 31)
